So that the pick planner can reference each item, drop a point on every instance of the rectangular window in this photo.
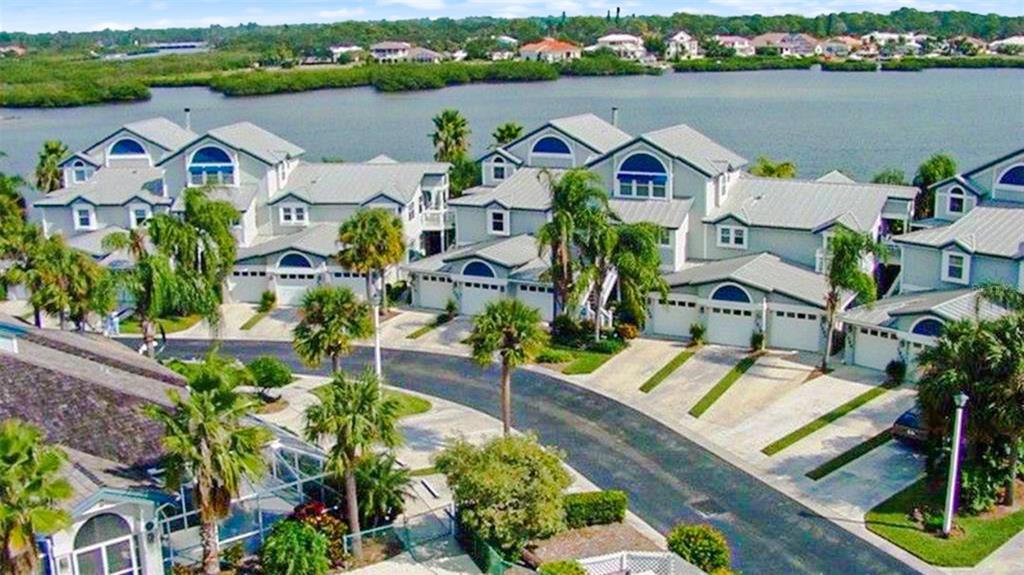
(139, 216)
(955, 268)
(658, 190)
(80, 175)
(956, 204)
(499, 172)
(626, 188)
(664, 237)
(734, 237)
(196, 178)
(498, 222)
(83, 217)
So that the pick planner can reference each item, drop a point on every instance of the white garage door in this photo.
(875, 348)
(674, 317)
(476, 296)
(434, 291)
(730, 326)
(247, 286)
(539, 297)
(352, 281)
(291, 287)
(795, 330)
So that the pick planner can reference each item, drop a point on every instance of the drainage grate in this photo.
(707, 507)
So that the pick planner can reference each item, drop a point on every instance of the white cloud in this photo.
(342, 13)
(415, 4)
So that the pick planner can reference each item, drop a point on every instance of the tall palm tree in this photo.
(48, 172)
(507, 133)
(598, 244)
(766, 168)
(22, 244)
(330, 318)
(450, 136)
(31, 489)
(373, 241)
(844, 273)
(70, 280)
(355, 417)
(573, 195)
(512, 330)
(207, 443)
(637, 259)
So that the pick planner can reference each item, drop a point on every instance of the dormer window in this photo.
(498, 169)
(294, 215)
(955, 205)
(643, 176)
(956, 267)
(80, 172)
(734, 237)
(211, 165)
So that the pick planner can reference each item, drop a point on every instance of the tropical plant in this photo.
(766, 168)
(294, 548)
(269, 372)
(207, 443)
(31, 491)
(268, 300)
(598, 243)
(382, 487)
(697, 332)
(69, 283)
(701, 545)
(844, 273)
(508, 491)
(936, 168)
(356, 417)
(450, 136)
(48, 172)
(10, 188)
(562, 567)
(330, 318)
(894, 176)
(22, 246)
(637, 259)
(511, 330)
(507, 133)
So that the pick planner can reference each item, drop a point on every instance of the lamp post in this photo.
(960, 400)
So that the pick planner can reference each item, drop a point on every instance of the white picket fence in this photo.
(639, 563)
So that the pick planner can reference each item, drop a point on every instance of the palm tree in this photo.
(598, 244)
(936, 168)
(22, 244)
(766, 168)
(355, 417)
(512, 330)
(507, 133)
(71, 283)
(31, 489)
(10, 188)
(373, 241)
(383, 485)
(330, 318)
(48, 172)
(207, 443)
(450, 136)
(844, 273)
(573, 196)
(637, 259)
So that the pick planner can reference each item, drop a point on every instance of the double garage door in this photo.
(434, 291)
(539, 297)
(292, 286)
(247, 286)
(729, 325)
(476, 296)
(795, 330)
(875, 348)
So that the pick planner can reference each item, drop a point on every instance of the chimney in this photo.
(615, 116)
(188, 118)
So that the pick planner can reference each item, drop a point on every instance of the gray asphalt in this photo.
(669, 478)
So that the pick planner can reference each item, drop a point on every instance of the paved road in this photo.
(667, 476)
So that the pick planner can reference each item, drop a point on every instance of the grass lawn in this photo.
(981, 535)
(797, 435)
(849, 455)
(171, 324)
(408, 404)
(667, 369)
(723, 385)
(422, 331)
(255, 319)
(423, 471)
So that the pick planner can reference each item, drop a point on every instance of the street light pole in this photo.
(954, 463)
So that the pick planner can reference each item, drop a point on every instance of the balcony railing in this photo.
(438, 219)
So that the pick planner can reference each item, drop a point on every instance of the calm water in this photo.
(857, 122)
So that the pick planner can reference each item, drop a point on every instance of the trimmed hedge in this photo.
(563, 567)
(849, 66)
(595, 508)
(701, 545)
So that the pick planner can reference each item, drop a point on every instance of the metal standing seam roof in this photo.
(163, 132)
(357, 183)
(317, 239)
(990, 228)
(836, 177)
(695, 148)
(764, 271)
(513, 253)
(950, 305)
(256, 141)
(664, 213)
(112, 187)
(807, 204)
(593, 131)
(525, 189)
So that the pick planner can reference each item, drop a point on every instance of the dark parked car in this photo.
(909, 427)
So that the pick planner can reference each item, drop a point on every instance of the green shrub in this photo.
(606, 346)
(565, 330)
(268, 300)
(451, 309)
(595, 508)
(697, 332)
(701, 545)
(268, 372)
(896, 372)
(849, 66)
(606, 65)
(564, 567)
(757, 340)
(552, 355)
(737, 64)
(294, 548)
(627, 331)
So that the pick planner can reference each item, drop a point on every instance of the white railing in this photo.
(437, 219)
(639, 563)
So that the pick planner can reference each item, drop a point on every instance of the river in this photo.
(856, 122)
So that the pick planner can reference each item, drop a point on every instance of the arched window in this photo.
(929, 326)
(80, 171)
(552, 146)
(1013, 177)
(642, 175)
(294, 261)
(956, 200)
(478, 269)
(104, 546)
(211, 165)
(730, 292)
(127, 147)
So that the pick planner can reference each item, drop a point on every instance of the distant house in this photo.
(1011, 43)
(507, 42)
(13, 50)
(682, 45)
(424, 55)
(789, 44)
(742, 45)
(340, 50)
(390, 52)
(550, 50)
(623, 45)
(840, 46)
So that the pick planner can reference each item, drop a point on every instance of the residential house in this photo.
(550, 50)
(743, 46)
(390, 52)
(425, 56)
(340, 51)
(625, 46)
(86, 393)
(839, 47)
(789, 44)
(1012, 43)
(13, 50)
(682, 45)
(507, 42)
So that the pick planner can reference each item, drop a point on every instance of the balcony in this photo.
(437, 220)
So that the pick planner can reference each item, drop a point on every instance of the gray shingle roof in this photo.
(807, 204)
(695, 148)
(317, 239)
(519, 254)
(163, 132)
(525, 189)
(112, 187)
(667, 214)
(257, 142)
(991, 228)
(592, 131)
(951, 305)
(356, 183)
(766, 272)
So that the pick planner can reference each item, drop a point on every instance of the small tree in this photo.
(894, 176)
(268, 373)
(766, 168)
(844, 273)
(330, 318)
(294, 548)
(933, 170)
(507, 133)
(383, 485)
(48, 172)
(701, 545)
(508, 491)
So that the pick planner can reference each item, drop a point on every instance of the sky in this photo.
(87, 15)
